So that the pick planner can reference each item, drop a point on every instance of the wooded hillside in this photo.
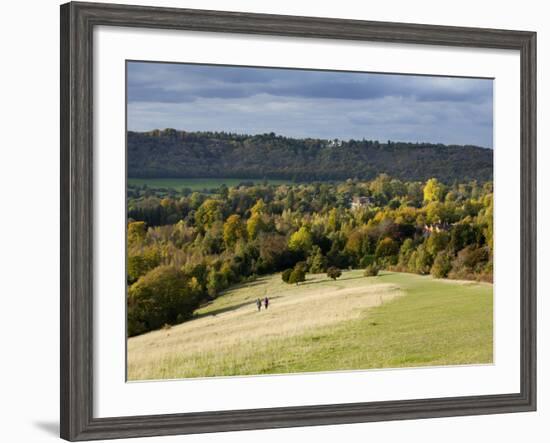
(177, 154)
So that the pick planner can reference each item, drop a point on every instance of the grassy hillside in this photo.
(393, 320)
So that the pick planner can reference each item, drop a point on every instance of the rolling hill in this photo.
(393, 320)
(179, 154)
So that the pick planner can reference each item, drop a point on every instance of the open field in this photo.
(197, 184)
(393, 320)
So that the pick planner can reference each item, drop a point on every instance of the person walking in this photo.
(258, 304)
(266, 302)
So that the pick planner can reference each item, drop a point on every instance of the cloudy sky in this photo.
(320, 104)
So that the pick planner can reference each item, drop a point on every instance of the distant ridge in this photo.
(170, 153)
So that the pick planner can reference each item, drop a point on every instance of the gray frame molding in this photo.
(77, 24)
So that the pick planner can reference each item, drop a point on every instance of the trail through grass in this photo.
(393, 320)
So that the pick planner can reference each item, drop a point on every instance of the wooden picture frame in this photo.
(77, 217)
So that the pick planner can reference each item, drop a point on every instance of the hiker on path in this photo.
(266, 302)
(259, 304)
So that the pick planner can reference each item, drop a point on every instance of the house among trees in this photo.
(360, 202)
(436, 227)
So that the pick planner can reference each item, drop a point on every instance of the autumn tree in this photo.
(255, 225)
(208, 213)
(136, 232)
(233, 230)
(433, 191)
(301, 240)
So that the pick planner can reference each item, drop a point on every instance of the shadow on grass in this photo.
(314, 282)
(251, 303)
(258, 282)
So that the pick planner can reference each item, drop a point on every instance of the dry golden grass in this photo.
(324, 325)
(230, 328)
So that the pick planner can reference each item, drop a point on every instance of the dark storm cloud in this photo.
(310, 103)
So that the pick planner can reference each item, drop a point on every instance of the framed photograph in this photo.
(273, 221)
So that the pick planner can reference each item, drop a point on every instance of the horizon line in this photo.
(244, 134)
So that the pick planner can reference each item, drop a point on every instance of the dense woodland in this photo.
(186, 247)
(179, 154)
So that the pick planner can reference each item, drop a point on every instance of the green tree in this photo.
(162, 296)
(215, 283)
(140, 264)
(415, 193)
(442, 265)
(317, 262)
(462, 235)
(285, 275)
(358, 242)
(436, 242)
(405, 252)
(381, 186)
(422, 260)
(333, 222)
(198, 271)
(387, 247)
(298, 275)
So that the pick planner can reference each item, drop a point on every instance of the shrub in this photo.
(442, 265)
(162, 296)
(371, 270)
(470, 262)
(298, 275)
(286, 274)
(334, 272)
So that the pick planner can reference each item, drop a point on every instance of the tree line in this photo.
(185, 248)
(178, 154)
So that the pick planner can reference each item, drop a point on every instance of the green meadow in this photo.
(197, 184)
(390, 321)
